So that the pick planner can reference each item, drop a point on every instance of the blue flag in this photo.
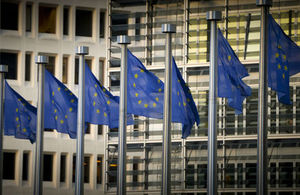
(145, 95)
(283, 61)
(230, 74)
(19, 116)
(60, 107)
(101, 107)
(184, 109)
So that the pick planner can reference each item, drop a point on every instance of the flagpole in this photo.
(123, 40)
(213, 17)
(3, 70)
(41, 61)
(167, 146)
(79, 188)
(262, 152)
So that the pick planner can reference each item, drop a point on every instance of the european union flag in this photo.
(145, 91)
(230, 74)
(60, 107)
(146, 95)
(184, 109)
(101, 107)
(283, 60)
(19, 116)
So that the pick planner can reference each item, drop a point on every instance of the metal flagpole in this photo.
(123, 40)
(213, 17)
(3, 69)
(166, 164)
(79, 188)
(41, 61)
(262, 152)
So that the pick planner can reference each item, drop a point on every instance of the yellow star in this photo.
(159, 90)
(66, 116)
(104, 90)
(229, 57)
(158, 80)
(177, 92)
(285, 68)
(279, 46)
(95, 94)
(19, 99)
(94, 103)
(146, 105)
(17, 118)
(55, 110)
(178, 81)
(188, 99)
(72, 100)
(61, 121)
(55, 117)
(71, 93)
(154, 104)
(136, 94)
(18, 125)
(136, 76)
(283, 76)
(184, 104)
(157, 99)
(24, 130)
(96, 85)
(52, 93)
(276, 55)
(98, 111)
(58, 89)
(179, 104)
(279, 66)
(140, 101)
(66, 89)
(52, 101)
(17, 110)
(108, 102)
(142, 70)
(134, 85)
(70, 109)
(105, 115)
(284, 57)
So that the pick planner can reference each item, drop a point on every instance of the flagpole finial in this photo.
(264, 2)
(123, 39)
(3, 68)
(40, 59)
(82, 50)
(168, 28)
(214, 15)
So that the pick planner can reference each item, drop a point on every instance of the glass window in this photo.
(119, 24)
(229, 120)
(297, 174)
(100, 129)
(272, 174)
(66, 21)
(9, 160)
(102, 24)
(63, 167)
(112, 172)
(9, 15)
(135, 173)
(47, 19)
(250, 175)
(99, 169)
(286, 116)
(285, 174)
(27, 66)
(28, 17)
(273, 111)
(65, 69)
(240, 171)
(10, 59)
(88, 128)
(101, 71)
(229, 176)
(251, 113)
(298, 109)
(115, 80)
(48, 167)
(87, 61)
(86, 169)
(25, 166)
(202, 176)
(137, 28)
(84, 22)
(51, 65)
(189, 177)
